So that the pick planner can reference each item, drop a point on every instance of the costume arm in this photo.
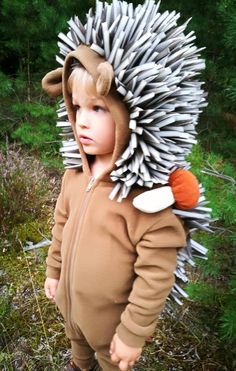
(154, 267)
(53, 260)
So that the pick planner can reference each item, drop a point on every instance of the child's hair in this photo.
(81, 77)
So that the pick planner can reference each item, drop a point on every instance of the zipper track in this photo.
(70, 259)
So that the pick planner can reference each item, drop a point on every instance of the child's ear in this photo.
(52, 83)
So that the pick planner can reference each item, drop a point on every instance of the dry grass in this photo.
(32, 335)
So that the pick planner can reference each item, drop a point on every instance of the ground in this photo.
(31, 328)
(32, 334)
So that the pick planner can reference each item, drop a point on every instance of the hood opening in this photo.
(88, 59)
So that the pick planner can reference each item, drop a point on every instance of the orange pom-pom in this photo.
(185, 189)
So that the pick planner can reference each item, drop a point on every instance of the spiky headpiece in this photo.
(156, 67)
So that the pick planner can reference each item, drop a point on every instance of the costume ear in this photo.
(104, 81)
(52, 83)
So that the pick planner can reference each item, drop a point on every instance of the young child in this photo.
(111, 266)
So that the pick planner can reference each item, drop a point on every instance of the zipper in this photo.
(82, 211)
(90, 184)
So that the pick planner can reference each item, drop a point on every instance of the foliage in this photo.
(6, 85)
(38, 133)
(25, 195)
(228, 318)
(216, 286)
(29, 122)
(25, 57)
(215, 25)
(23, 47)
(38, 137)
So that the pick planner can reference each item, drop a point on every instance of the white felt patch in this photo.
(155, 200)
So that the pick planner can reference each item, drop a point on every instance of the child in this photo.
(111, 266)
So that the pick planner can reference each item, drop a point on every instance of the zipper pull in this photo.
(90, 184)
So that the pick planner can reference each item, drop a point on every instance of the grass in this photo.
(197, 336)
(27, 317)
(32, 334)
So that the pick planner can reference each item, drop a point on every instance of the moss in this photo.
(32, 231)
(186, 341)
(4, 305)
(26, 313)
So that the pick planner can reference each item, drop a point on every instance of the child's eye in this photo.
(97, 108)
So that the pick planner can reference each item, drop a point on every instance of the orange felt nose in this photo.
(185, 188)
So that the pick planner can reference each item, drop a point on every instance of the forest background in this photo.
(202, 334)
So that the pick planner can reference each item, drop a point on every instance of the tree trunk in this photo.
(28, 73)
(230, 118)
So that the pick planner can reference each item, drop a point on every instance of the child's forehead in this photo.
(80, 95)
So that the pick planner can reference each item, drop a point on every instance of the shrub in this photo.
(36, 125)
(25, 193)
(29, 119)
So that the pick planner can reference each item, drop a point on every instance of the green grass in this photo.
(216, 285)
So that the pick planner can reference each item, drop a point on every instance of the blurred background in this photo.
(201, 335)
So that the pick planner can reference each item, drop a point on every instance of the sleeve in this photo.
(154, 268)
(53, 260)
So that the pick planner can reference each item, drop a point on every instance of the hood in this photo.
(103, 79)
(155, 79)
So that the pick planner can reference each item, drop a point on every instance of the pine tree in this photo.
(29, 32)
(27, 51)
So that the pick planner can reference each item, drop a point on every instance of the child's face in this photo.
(95, 126)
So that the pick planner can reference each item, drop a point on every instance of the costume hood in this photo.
(152, 74)
(103, 75)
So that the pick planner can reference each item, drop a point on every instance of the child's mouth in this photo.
(85, 140)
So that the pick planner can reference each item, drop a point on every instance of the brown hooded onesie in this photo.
(115, 264)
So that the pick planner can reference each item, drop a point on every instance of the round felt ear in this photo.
(104, 81)
(52, 83)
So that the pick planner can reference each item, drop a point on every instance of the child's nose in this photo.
(82, 118)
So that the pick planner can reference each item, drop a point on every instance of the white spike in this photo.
(77, 30)
(67, 40)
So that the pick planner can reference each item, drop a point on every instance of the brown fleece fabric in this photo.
(52, 83)
(115, 263)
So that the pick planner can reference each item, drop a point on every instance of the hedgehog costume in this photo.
(115, 261)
